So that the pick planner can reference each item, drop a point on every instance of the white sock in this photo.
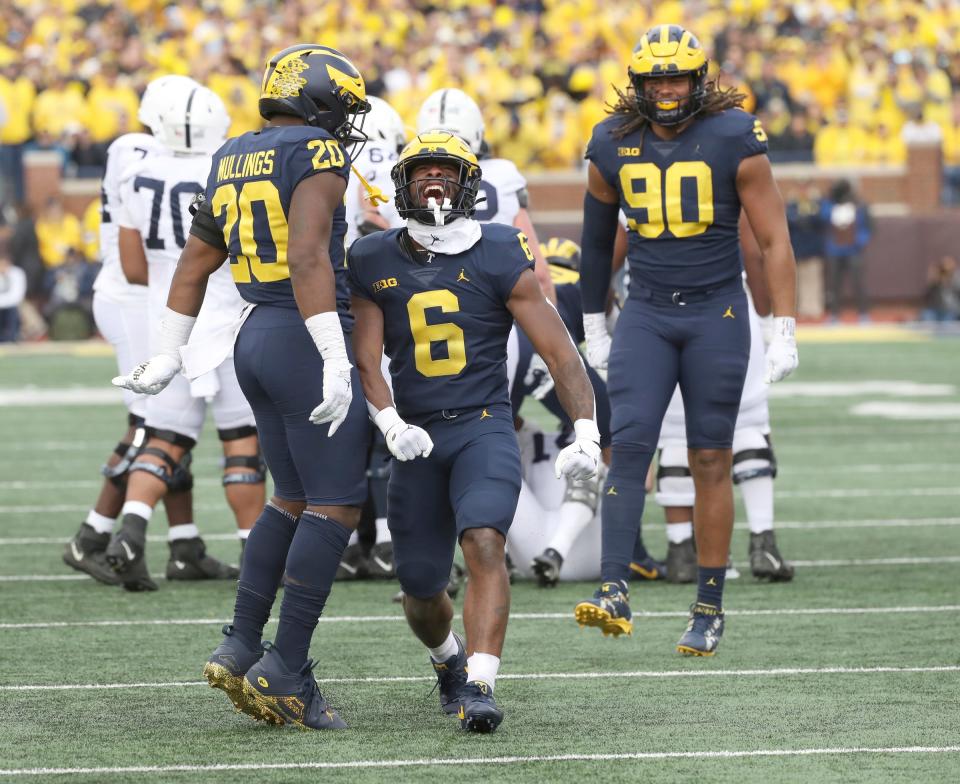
(679, 532)
(100, 523)
(447, 649)
(758, 502)
(243, 533)
(383, 532)
(354, 537)
(138, 508)
(483, 667)
(182, 531)
(574, 517)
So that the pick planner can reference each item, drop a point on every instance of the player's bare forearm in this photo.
(539, 319)
(133, 258)
(310, 226)
(764, 209)
(753, 266)
(198, 261)
(540, 266)
(368, 352)
(572, 386)
(311, 276)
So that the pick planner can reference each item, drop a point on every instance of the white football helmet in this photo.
(383, 124)
(193, 121)
(157, 95)
(454, 111)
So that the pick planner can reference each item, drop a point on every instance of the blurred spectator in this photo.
(13, 289)
(87, 157)
(806, 225)
(917, 130)
(941, 302)
(60, 240)
(795, 143)
(848, 230)
(112, 105)
(17, 93)
(59, 106)
(839, 142)
(24, 249)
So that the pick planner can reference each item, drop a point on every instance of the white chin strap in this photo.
(448, 239)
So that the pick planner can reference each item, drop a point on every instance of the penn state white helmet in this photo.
(193, 120)
(454, 111)
(158, 94)
(383, 124)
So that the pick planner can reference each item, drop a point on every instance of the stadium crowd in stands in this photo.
(833, 81)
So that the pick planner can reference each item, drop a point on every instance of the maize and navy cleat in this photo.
(287, 697)
(608, 610)
(226, 667)
(478, 708)
(704, 630)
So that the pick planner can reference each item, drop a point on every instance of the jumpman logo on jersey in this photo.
(612, 490)
(463, 276)
(485, 415)
(434, 239)
(712, 581)
(728, 313)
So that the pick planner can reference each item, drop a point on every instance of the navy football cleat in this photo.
(648, 569)
(451, 676)
(608, 610)
(225, 669)
(85, 554)
(546, 567)
(478, 708)
(286, 697)
(704, 630)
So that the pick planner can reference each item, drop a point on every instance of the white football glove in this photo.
(405, 442)
(766, 329)
(598, 342)
(150, 377)
(538, 376)
(327, 335)
(782, 357)
(581, 459)
(337, 396)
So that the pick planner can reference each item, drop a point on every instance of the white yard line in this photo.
(520, 616)
(459, 761)
(849, 492)
(906, 561)
(773, 672)
(793, 525)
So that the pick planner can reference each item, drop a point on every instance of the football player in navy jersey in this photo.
(440, 296)
(680, 159)
(274, 207)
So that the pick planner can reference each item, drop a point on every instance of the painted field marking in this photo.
(459, 761)
(545, 616)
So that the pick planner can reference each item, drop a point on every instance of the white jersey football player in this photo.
(154, 222)
(539, 520)
(120, 312)
(387, 135)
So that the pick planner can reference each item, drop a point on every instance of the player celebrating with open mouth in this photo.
(440, 296)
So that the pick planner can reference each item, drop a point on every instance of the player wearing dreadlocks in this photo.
(680, 158)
